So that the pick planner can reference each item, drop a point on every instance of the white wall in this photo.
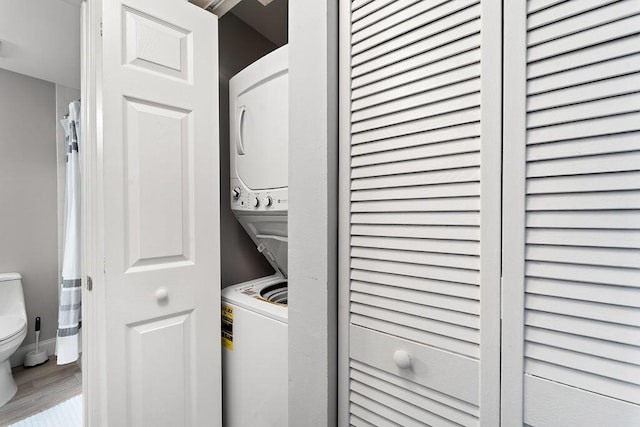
(313, 69)
(28, 195)
(41, 38)
(239, 46)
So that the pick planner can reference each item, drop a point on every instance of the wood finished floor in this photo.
(40, 388)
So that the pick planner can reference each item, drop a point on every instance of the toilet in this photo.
(13, 329)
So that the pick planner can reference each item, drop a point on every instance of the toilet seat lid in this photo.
(10, 326)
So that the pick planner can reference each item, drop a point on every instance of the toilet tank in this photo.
(11, 295)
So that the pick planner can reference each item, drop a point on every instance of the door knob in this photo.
(162, 294)
(402, 359)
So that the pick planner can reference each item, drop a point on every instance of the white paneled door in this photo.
(157, 296)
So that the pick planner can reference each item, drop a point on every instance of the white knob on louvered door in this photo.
(162, 294)
(402, 359)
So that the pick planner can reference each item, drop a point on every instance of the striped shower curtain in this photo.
(68, 345)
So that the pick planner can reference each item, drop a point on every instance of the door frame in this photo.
(513, 212)
(313, 210)
(491, 45)
(91, 212)
(344, 223)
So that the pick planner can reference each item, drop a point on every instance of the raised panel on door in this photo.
(159, 375)
(420, 203)
(159, 175)
(159, 210)
(571, 257)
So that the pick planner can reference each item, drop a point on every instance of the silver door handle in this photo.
(239, 142)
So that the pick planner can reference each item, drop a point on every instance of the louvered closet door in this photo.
(572, 237)
(420, 159)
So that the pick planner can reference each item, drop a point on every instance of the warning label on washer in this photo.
(227, 326)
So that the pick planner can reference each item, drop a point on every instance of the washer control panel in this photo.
(247, 200)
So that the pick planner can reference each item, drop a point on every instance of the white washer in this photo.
(254, 354)
(254, 333)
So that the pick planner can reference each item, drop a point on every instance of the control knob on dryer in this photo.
(267, 201)
(236, 193)
(256, 202)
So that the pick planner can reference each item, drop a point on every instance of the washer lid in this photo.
(269, 232)
(254, 295)
(10, 326)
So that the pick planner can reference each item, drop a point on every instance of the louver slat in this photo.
(606, 144)
(614, 67)
(561, 11)
(390, 25)
(419, 308)
(606, 349)
(357, 4)
(448, 14)
(361, 416)
(445, 260)
(584, 39)
(607, 386)
(537, 5)
(587, 291)
(584, 183)
(433, 395)
(418, 53)
(584, 21)
(439, 69)
(452, 290)
(423, 408)
(422, 99)
(612, 220)
(583, 93)
(373, 10)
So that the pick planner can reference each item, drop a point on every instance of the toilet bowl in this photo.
(13, 329)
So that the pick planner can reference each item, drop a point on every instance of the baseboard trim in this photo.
(17, 359)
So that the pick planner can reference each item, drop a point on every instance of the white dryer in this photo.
(254, 313)
(259, 135)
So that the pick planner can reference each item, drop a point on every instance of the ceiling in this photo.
(270, 21)
(41, 38)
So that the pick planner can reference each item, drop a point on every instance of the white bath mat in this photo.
(65, 414)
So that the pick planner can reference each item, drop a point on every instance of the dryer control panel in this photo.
(243, 199)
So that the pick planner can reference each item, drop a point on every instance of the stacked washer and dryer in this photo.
(254, 313)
